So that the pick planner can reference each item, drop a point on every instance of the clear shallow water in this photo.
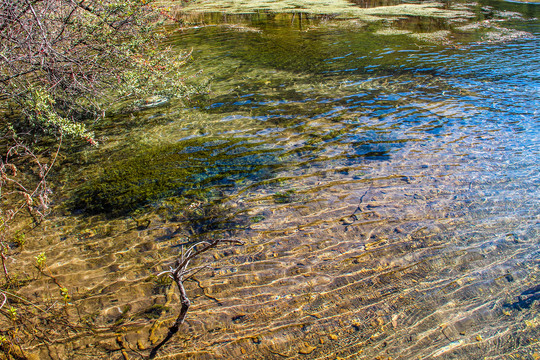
(386, 189)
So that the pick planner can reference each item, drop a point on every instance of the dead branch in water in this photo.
(180, 273)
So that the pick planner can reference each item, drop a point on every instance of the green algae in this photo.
(245, 6)
(392, 32)
(192, 169)
(435, 10)
(437, 23)
(341, 8)
(440, 36)
(278, 49)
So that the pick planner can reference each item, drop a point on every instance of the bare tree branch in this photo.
(181, 273)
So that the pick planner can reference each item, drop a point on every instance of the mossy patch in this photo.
(191, 169)
(154, 312)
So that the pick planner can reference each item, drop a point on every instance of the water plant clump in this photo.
(191, 169)
(345, 9)
(428, 23)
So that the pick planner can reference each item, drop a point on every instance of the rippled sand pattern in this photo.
(403, 258)
(420, 264)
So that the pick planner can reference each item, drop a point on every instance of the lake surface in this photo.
(385, 184)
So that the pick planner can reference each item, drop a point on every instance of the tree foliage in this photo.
(64, 61)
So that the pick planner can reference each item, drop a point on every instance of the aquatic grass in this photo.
(487, 31)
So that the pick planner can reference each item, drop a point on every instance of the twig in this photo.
(24, 300)
(181, 273)
(3, 301)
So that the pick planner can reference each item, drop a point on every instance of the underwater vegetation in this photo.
(193, 169)
(344, 8)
